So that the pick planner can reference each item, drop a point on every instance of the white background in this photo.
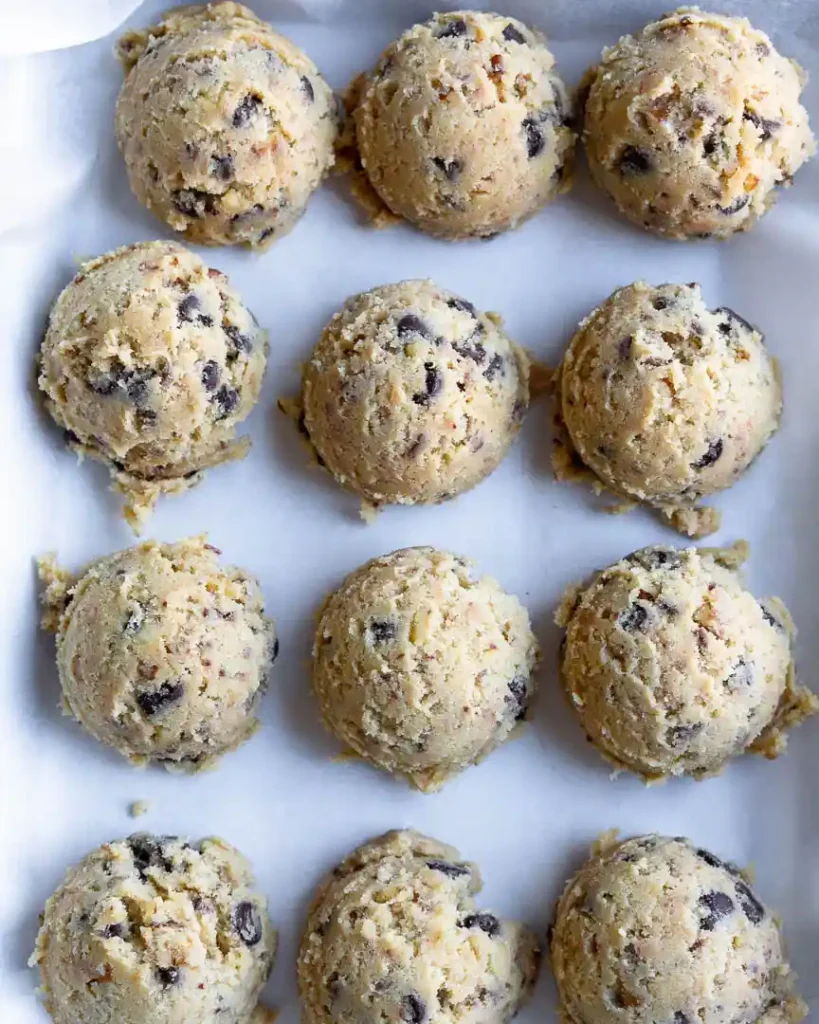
(528, 813)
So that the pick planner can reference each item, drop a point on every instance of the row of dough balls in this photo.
(463, 128)
(422, 668)
(412, 395)
(157, 930)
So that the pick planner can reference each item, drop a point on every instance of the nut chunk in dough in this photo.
(394, 937)
(162, 653)
(653, 930)
(149, 363)
(692, 124)
(673, 667)
(155, 930)
(420, 667)
(463, 128)
(226, 127)
(665, 400)
(412, 395)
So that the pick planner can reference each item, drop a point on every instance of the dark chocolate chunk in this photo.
(518, 696)
(245, 111)
(471, 349)
(660, 302)
(738, 204)
(136, 617)
(412, 324)
(655, 558)
(678, 734)
(433, 383)
(186, 310)
(307, 88)
(681, 1018)
(741, 676)
(512, 35)
(634, 618)
(624, 347)
(769, 618)
(732, 320)
(225, 399)
(717, 905)
(634, 161)
(451, 169)
(211, 373)
(495, 365)
(710, 457)
(766, 127)
(247, 923)
(486, 922)
(274, 653)
(448, 868)
(167, 976)
(452, 29)
(222, 167)
(147, 852)
(710, 142)
(751, 907)
(113, 931)
(535, 139)
(383, 630)
(462, 305)
(153, 702)
(240, 342)
(193, 202)
(710, 859)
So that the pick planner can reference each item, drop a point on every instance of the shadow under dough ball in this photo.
(226, 127)
(653, 929)
(162, 654)
(665, 401)
(692, 124)
(421, 668)
(412, 395)
(674, 668)
(149, 362)
(155, 930)
(393, 936)
(464, 127)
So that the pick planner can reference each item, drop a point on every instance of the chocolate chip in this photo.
(718, 905)
(307, 88)
(655, 558)
(193, 202)
(274, 653)
(452, 29)
(751, 907)
(187, 308)
(681, 1018)
(167, 976)
(763, 49)
(486, 922)
(411, 324)
(766, 615)
(247, 923)
(766, 127)
(511, 34)
(226, 399)
(245, 111)
(113, 931)
(634, 161)
(518, 696)
(710, 457)
(633, 619)
(660, 302)
(126, 382)
(710, 142)
(738, 204)
(741, 676)
(535, 140)
(471, 349)
(678, 734)
(433, 383)
(624, 347)
(448, 868)
(153, 702)
(495, 364)
(732, 320)
(462, 305)
(222, 167)
(135, 619)
(450, 168)
(211, 373)
(240, 342)
(383, 630)
(147, 852)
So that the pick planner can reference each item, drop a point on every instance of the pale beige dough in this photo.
(464, 127)
(420, 667)
(394, 937)
(162, 653)
(149, 363)
(665, 400)
(226, 127)
(155, 930)
(692, 124)
(653, 929)
(673, 667)
(412, 395)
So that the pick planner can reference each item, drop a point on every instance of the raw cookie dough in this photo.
(691, 125)
(420, 667)
(665, 400)
(155, 930)
(393, 937)
(463, 128)
(162, 653)
(673, 667)
(226, 127)
(412, 395)
(654, 930)
(149, 363)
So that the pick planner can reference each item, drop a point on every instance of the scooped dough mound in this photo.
(654, 929)
(162, 653)
(394, 936)
(420, 667)
(155, 930)
(665, 400)
(463, 128)
(412, 395)
(149, 363)
(692, 124)
(226, 127)
(673, 667)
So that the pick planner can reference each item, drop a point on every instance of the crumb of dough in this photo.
(137, 808)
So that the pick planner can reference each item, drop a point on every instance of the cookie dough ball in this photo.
(149, 363)
(463, 128)
(665, 400)
(691, 125)
(162, 653)
(226, 127)
(155, 930)
(420, 667)
(673, 667)
(394, 937)
(412, 395)
(653, 929)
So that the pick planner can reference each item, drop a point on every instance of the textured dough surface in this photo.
(226, 127)
(463, 127)
(420, 667)
(412, 395)
(673, 667)
(149, 362)
(393, 935)
(155, 930)
(665, 400)
(692, 124)
(162, 653)
(653, 929)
